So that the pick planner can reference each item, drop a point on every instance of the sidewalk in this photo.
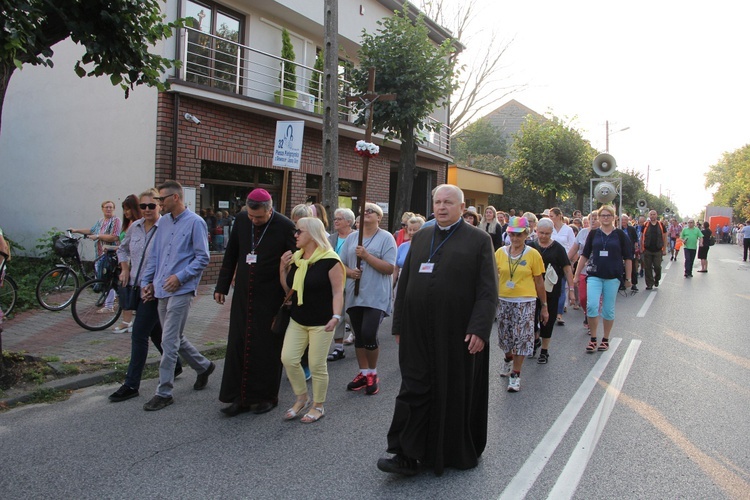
(43, 333)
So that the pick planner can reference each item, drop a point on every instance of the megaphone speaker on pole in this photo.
(604, 165)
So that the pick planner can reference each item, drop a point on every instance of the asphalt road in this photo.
(663, 414)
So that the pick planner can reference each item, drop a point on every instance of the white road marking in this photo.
(571, 475)
(647, 304)
(527, 475)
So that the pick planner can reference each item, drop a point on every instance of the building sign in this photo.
(288, 146)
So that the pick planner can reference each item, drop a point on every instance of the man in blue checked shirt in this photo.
(171, 276)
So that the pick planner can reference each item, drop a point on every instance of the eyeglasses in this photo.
(150, 206)
(370, 211)
(297, 232)
(338, 219)
(162, 198)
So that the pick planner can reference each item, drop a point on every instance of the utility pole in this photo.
(331, 107)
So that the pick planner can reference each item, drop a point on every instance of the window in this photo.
(225, 186)
(213, 56)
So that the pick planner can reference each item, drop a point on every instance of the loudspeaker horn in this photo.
(604, 164)
(605, 192)
(667, 210)
(641, 204)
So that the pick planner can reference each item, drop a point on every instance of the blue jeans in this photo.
(606, 289)
(173, 313)
(145, 325)
(689, 259)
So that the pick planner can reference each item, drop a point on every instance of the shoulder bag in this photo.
(130, 295)
(284, 314)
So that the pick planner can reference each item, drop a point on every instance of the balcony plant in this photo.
(315, 80)
(287, 75)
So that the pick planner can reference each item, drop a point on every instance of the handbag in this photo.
(130, 295)
(281, 320)
(712, 241)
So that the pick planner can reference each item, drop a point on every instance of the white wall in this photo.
(67, 144)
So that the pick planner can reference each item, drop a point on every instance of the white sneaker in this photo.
(506, 368)
(106, 310)
(349, 340)
(514, 383)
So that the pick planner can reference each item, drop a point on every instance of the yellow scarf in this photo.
(298, 284)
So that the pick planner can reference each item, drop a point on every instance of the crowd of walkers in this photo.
(448, 280)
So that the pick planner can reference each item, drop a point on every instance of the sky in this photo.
(675, 74)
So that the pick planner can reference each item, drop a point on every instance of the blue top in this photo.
(179, 247)
(401, 253)
(607, 252)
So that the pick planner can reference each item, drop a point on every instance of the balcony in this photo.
(221, 64)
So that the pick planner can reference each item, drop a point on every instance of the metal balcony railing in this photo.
(225, 65)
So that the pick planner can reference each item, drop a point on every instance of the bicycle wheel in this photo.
(89, 306)
(56, 288)
(8, 295)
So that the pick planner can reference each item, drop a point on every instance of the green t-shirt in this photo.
(690, 237)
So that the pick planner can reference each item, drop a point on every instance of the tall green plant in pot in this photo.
(287, 75)
(315, 83)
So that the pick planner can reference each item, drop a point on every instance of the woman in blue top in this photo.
(413, 225)
(603, 254)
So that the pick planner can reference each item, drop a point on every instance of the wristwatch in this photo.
(337, 316)
(544, 304)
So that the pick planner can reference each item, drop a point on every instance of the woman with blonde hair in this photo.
(603, 254)
(316, 275)
(489, 224)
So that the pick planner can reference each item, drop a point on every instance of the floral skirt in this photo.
(515, 326)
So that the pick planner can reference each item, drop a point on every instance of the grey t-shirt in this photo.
(374, 288)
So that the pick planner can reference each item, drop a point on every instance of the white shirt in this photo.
(565, 236)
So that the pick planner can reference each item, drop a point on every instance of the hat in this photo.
(259, 195)
(517, 225)
(546, 212)
(472, 209)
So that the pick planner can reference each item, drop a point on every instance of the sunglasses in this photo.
(162, 198)
(370, 211)
(150, 206)
(297, 232)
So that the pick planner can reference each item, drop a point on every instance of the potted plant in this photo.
(287, 75)
(315, 81)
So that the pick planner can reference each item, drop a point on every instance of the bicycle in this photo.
(56, 287)
(8, 290)
(89, 304)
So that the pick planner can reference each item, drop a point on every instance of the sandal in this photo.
(604, 345)
(336, 355)
(291, 413)
(591, 347)
(309, 418)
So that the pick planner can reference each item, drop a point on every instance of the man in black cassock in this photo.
(252, 367)
(442, 320)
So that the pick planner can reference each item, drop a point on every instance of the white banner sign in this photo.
(288, 146)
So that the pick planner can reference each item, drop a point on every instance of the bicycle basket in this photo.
(64, 246)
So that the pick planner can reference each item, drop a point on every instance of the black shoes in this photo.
(177, 370)
(649, 288)
(235, 409)
(398, 464)
(261, 408)
(202, 381)
(123, 394)
(158, 403)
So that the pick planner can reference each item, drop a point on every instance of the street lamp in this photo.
(606, 148)
(648, 172)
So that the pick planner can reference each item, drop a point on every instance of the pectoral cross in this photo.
(368, 99)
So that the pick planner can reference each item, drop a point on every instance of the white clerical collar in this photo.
(448, 228)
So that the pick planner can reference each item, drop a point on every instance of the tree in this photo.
(419, 72)
(731, 177)
(549, 158)
(117, 36)
(478, 138)
(478, 79)
(288, 67)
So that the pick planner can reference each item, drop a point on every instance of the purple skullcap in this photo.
(259, 195)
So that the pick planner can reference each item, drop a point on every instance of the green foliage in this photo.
(316, 77)
(731, 177)
(551, 158)
(478, 138)
(117, 36)
(288, 68)
(407, 63)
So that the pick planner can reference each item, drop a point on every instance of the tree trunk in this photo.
(550, 199)
(6, 71)
(407, 166)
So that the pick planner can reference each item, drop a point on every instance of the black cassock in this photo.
(252, 370)
(440, 416)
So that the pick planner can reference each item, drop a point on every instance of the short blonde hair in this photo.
(608, 208)
(375, 208)
(317, 231)
(300, 211)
